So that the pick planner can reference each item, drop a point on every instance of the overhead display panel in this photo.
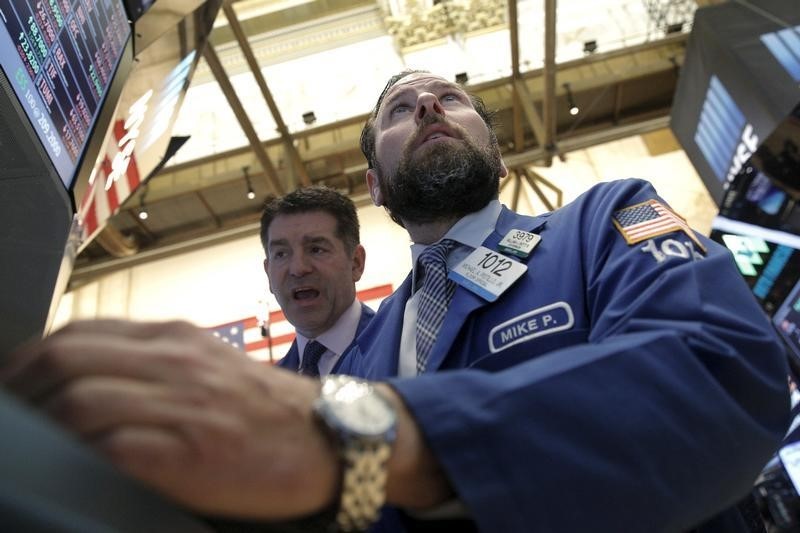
(60, 58)
(787, 321)
(740, 80)
(768, 260)
(137, 144)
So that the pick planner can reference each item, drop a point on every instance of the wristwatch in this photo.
(362, 423)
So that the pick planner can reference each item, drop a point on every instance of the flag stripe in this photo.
(650, 219)
(280, 331)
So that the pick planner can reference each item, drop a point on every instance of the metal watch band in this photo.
(363, 484)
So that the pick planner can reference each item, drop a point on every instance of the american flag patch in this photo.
(650, 219)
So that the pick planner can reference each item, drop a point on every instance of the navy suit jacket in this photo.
(292, 358)
(614, 387)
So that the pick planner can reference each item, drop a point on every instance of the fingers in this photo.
(95, 406)
(153, 455)
(143, 351)
(126, 328)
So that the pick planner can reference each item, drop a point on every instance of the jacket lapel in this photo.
(366, 316)
(465, 301)
(291, 360)
(381, 338)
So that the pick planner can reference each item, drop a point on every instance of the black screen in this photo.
(768, 260)
(60, 57)
(787, 321)
(137, 8)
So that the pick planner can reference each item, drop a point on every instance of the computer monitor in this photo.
(768, 260)
(60, 60)
(62, 68)
(787, 321)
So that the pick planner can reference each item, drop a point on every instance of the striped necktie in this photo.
(311, 356)
(434, 299)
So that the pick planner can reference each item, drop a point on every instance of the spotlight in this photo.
(250, 192)
(309, 118)
(462, 78)
(142, 209)
(589, 47)
(573, 108)
(675, 28)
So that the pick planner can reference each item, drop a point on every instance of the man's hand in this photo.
(186, 414)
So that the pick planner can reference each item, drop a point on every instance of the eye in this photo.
(317, 250)
(450, 97)
(399, 108)
(278, 254)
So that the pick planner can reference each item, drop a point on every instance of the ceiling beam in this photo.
(516, 97)
(531, 113)
(549, 100)
(247, 126)
(115, 243)
(211, 213)
(86, 273)
(674, 42)
(247, 51)
(617, 102)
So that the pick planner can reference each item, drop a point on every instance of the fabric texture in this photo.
(311, 356)
(435, 296)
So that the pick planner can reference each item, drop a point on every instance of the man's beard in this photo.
(453, 179)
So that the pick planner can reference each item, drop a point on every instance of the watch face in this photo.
(359, 409)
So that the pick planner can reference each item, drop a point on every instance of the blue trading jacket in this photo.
(613, 388)
(292, 359)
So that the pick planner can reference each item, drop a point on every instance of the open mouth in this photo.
(305, 294)
(434, 130)
(434, 135)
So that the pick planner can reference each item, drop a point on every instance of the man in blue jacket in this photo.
(599, 368)
(313, 260)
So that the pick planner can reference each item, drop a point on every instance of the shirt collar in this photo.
(340, 335)
(470, 231)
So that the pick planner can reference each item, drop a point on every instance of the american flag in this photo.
(650, 219)
(102, 199)
(270, 340)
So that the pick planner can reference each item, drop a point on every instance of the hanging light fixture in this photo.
(250, 192)
(142, 209)
(573, 109)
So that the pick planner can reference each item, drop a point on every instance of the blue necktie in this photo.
(435, 296)
(311, 356)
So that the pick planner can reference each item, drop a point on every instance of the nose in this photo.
(427, 103)
(299, 265)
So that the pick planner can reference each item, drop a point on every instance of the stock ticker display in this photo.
(771, 269)
(787, 320)
(60, 57)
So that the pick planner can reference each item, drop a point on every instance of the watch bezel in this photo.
(340, 393)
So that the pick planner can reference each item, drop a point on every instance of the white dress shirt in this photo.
(469, 233)
(336, 339)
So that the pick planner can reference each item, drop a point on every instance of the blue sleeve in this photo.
(661, 419)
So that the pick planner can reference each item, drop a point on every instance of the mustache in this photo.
(429, 120)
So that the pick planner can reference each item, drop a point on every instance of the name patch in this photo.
(543, 321)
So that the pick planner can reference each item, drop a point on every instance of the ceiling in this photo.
(623, 92)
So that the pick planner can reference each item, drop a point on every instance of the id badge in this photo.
(487, 273)
(518, 242)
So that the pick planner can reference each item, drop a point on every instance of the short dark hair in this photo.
(315, 198)
(368, 133)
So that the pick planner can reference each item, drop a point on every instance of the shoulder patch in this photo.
(650, 219)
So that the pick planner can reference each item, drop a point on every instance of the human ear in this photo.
(374, 186)
(359, 258)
